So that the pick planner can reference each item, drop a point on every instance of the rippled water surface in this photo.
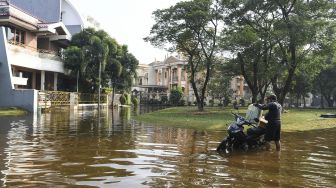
(65, 149)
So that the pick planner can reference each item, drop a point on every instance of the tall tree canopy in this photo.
(191, 28)
(88, 49)
(270, 39)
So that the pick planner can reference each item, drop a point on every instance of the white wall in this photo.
(8, 96)
(34, 60)
(151, 76)
(70, 15)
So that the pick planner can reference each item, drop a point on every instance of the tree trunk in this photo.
(322, 102)
(304, 101)
(113, 89)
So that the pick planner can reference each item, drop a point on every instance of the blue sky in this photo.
(128, 21)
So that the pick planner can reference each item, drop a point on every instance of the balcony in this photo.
(19, 81)
(37, 59)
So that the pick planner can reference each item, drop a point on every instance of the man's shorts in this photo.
(273, 131)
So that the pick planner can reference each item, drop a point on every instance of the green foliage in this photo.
(128, 99)
(211, 102)
(122, 100)
(135, 101)
(191, 28)
(176, 96)
(164, 99)
(88, 49)
(326, 84)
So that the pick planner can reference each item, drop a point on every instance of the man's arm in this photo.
(262, 106)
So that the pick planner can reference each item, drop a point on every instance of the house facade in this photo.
(33, 34)
(160, 77)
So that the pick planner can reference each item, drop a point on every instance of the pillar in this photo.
(34, 80)
(179, 76)
(42, 80)
(55, 80)
(241, 88)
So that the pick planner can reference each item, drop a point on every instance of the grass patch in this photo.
(219, 118)
(13, 111)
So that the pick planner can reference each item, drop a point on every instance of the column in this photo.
(157, 77)
(55, 80)
(241, 88)
(42, 80)
(179, 75)
(169, 79)
(34, 80)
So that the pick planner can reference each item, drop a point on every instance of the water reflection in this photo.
(82, 148)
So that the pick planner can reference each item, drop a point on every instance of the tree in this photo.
(88, 49)
(279, 34)
(219, 86)
(191, 28)
(326, 84)
(114, 69)
(175, 96)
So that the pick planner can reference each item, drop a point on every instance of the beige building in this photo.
(160, 77)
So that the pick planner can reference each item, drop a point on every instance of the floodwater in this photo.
(70, 149)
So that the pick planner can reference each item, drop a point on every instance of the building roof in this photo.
(168, 61)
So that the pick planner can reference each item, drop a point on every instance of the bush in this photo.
(176, 96)
(153, 102)
(128, 99)
(122, 100)
(164, 99)
(182, 103)
(135, 101)
(242, 102)
(211, 102)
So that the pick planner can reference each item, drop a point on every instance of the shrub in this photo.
(164, 99)
(128, 99)
(211, 102)
(176, 96)
(242, 102)
(182, 103)
(135, 101)
(122, 100)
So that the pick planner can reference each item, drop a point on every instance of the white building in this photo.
(32, 35)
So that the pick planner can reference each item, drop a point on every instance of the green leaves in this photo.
(88, 49)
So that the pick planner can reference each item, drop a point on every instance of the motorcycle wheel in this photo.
(222, 146)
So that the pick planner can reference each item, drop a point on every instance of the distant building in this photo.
(33, 34)
(160, 77)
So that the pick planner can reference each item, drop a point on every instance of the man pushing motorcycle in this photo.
(273, 116)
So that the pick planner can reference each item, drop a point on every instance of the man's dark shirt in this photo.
(274, 111)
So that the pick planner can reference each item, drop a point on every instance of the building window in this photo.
(15, 36)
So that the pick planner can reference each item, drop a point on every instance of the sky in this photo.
(128, 21)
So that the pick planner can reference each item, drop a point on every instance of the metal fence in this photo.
(88, 98)
(47, 99)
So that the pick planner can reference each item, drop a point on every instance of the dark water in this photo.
(79, 149)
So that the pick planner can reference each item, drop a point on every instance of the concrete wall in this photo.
(31, 40)
(70, 16)
(8, 95)
(31, 59)
(46, 10)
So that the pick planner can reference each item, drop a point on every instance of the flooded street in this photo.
(74, 149)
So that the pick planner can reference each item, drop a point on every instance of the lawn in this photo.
(12, 112)
(219, 118)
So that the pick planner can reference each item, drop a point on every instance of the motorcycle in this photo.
(238, 140)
